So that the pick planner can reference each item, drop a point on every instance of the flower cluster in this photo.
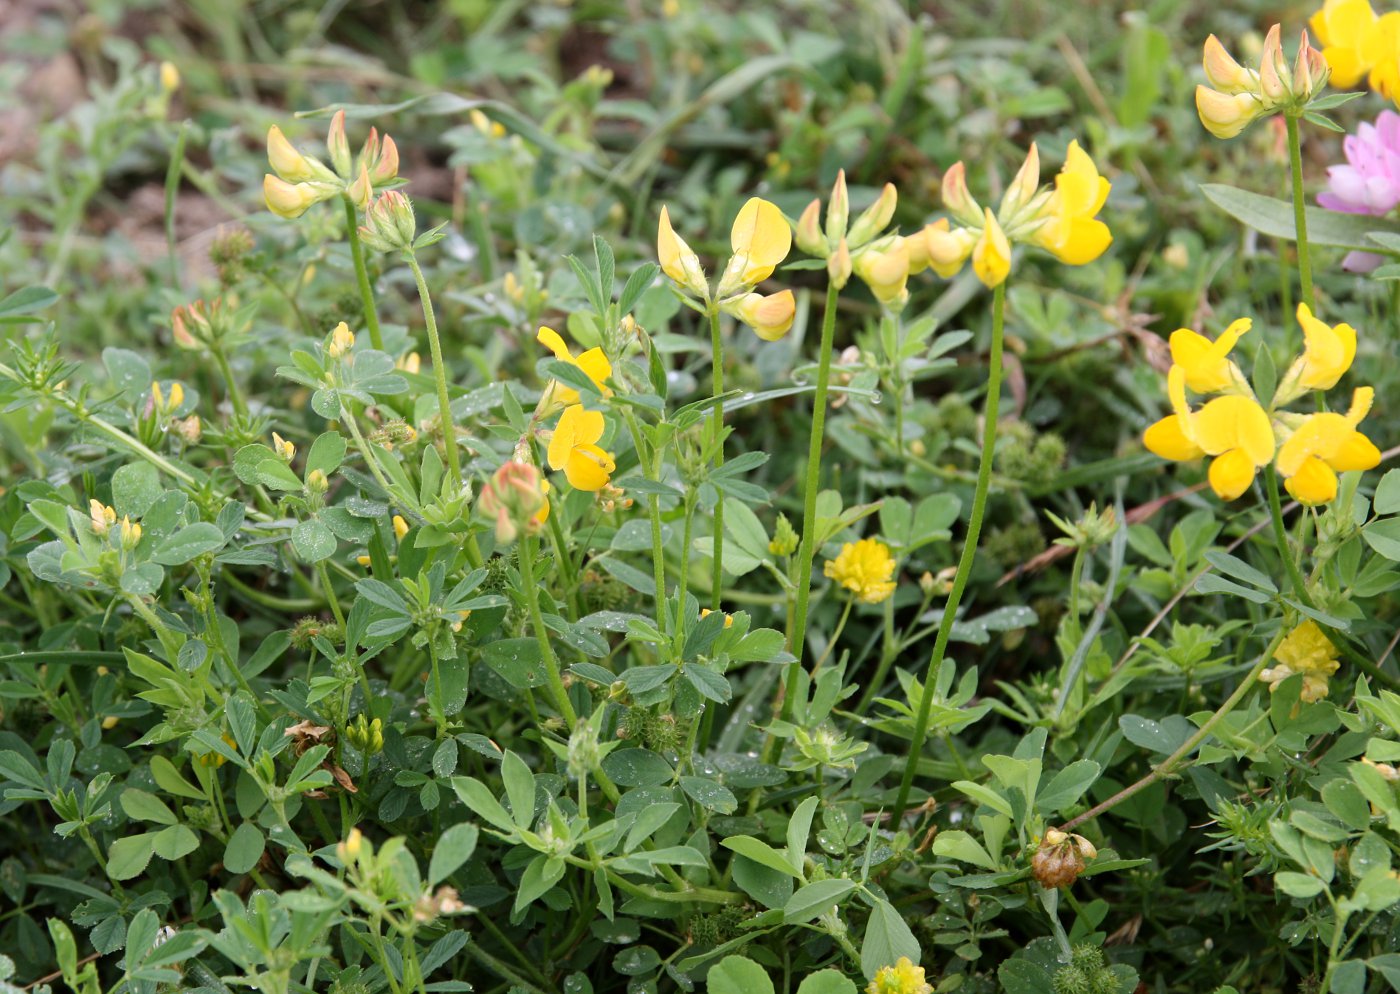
(901, 978)
(1062, 220)
(1369, 182)
(1237, 97)
(301, 180)
(865, 568)
(1357, 44)
(759, 240)
(1306, 651)
(1242, 437)
(882, 261)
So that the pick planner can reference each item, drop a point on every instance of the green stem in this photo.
(717, 428)
(235, 396)
(1295, 575)
(1300, 218)
(449, 429)
(658, 548)
(331, 599)
(835, 636)
(807, 551)
(1170, 764)
(969, 550)
(357, 252)
(532, 602)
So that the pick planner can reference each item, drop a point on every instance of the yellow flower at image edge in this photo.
(1306, 651)
(902, 978)
(865, 568)
(1357, 44)
(574, 449)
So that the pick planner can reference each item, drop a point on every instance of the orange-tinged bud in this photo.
(361, 190)
(515, 497)
(1274, 75)
(1024, 185)
(957, 198)
(838, 265)
(838, 210)
(769, 316)
(339, 145)
(386, 167)
(810, 238)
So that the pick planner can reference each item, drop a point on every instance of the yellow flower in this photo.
(1307, 651)
(101, 517)
(169, 77)
(1225, 115)
(944, 248)
(342, 341)
(1206, 364)
(291, 200)
(1223, 72)
(769, 316)
(1323, 446)
(410, 363)
(1233, 429)
(167, 405)
(865, 568)
(885, 269)
(991, 256)
(593, 362)
(130, 533)
(728, 618)
(1072, 234)
(1327, 353)
(400, 527)
(678, 260)
(574, 449)
(217, 759)
(902, 978)
(283, 448)
(1357, 44)
(287, 162)
(760, 239)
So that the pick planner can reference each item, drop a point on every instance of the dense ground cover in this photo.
(835, 568)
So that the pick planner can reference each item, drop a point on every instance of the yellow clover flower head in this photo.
(1307, 651)
(865, 568)
(1324, 445)
(1061, 219)
(574, 449)
(593, 362)
(902, 978)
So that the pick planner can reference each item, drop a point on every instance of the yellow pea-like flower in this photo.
(1328, 351)
(760, 239)
(594, 362)
(1233, 429)
(991, 256)
(1225, 115)
(1071, 233)
(770, 316)
(574, 449)
(286, 161)
(1324, 445)
(1308, 651)
(1205, 364)
(884, 270)
(865, 568)
(678, 260)
(101, 517)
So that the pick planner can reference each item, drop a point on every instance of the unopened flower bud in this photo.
(349, 850)
(190, 429)
(292, 200)
(1223, 72)
(386, 166)
(169, 77)
(400, 527)
(678, 260)
(130, 534)
(785, 540)
(1225, 115)
(1274, 75)
(101, 517)
(838, 210)
(342, 341)
(872, 221)
(838, 265)
(810, 238)
(339, 145)
(361, 190)
(956, 197)
(390, 223)
(1024, 186)
(284, 449)
(515, 497)
(885, 271)
(316, 482)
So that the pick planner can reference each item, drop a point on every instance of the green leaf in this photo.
(520, 789)
(327, 453)
(187, 543)
(18, 306)
(129, 856)
(1273, 217)
(710, 795)
(313, 541)
(454, 847)
(1067, 786)
(815, 899)
(985, 795)
(1240, 570)
(539, 877)
(476, 796)
(1384, 537)
(760, 852)
(1299, 885)
(175, 841)
(244, 849)
(1387, 497)
(168, 779)
(961, 846)
(827, 981)
(738, 975)
(142, 806)
(135, 487)
(887, 938)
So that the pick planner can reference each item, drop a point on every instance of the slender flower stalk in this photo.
(1300, 218)
(969, 551)
(357, 253)
(532, 602)
(449, 428)
(717, 429)
(806, 552)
